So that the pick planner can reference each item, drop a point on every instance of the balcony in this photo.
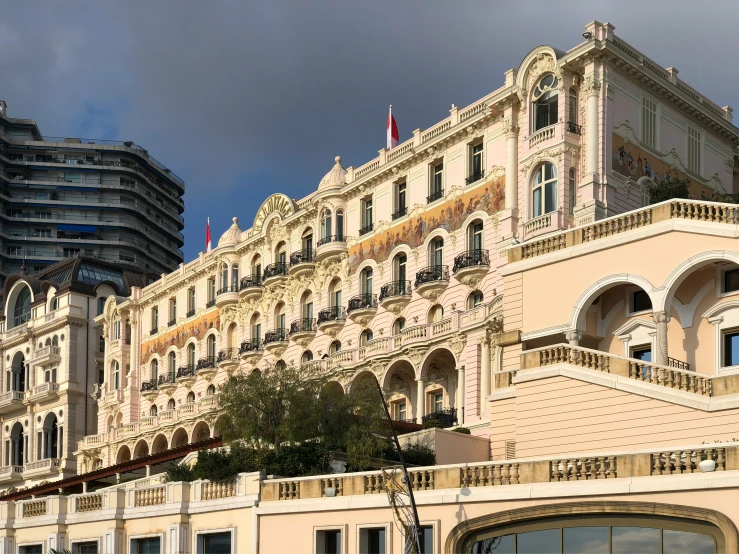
(303, 330)
(543, 136)
(167, 382)
(207, 367)
(362, 308)
(331, 319)
(251, 286)
(11, 400)
(366, 229)
(186, 375)
(11, 473)
(402, 212)
(47, 356)
(432, 281)
(475, 177)
(434, 196)
(42, 467)
(275, 341)
(227, 296)
(447, 416)
(149, 389)
(573, 128)
(544, 224)
(330, 245)
(395, 295)
(251, 349)
(42, 392)
(302, 262)
(470, 267)
(275, 272)
(228, 358)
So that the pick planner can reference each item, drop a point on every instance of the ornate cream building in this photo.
(503, 270)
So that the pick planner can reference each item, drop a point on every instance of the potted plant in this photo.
(707, 464)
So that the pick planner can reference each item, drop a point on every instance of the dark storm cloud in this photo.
(243, 99)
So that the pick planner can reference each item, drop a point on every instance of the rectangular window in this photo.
(154, 318)
(191, 301)
(731, 280)
(643, 353)
(649, 122)
(172, 309)
(372, 541)
(694, 150)
(73, 177)
(437, 400)
(476, 172)
(640, 301)
(42, 215)
(87, 547)
(214, 543)
(401, 411)
(149, 545)
(45, 233)
(731, 348)
(401, 206)
(31, 549)
(15, 250)
(426, 534)
(366, 216)
(70, 252)
(211, 290)
(437, 182)
(328, 542)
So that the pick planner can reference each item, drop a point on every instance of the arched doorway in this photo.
(160, 444)
(179, 438)
(141, 449)
(18, 444)
(124, 455)
(49, 445)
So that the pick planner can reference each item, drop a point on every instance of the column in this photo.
(591, 87)
(420, 400)
(460, 395)
(485, 372)
(661, 319)
(573, 337)
(511, 165)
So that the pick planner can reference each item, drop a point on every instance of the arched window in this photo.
(474, 299)
(211, 346)
(191, 355)
(116, 327)
(306, 242)
(235, 277)
(436, 252)
(280, 316)
(544, 193)
(307, 357)
(474, 236)
(334, 347)
(211, 390)
(22, 308)
(281, 253)
(306, 309)
(154, 370)
(50, 438)
(191, 397)
(545, 102)
(280, 365)
(55, 341)
(54, 304)
(366, 281)
(172, 363)
(326, 224)
(224, 276)
(365, 337)
(256, 327)
(16, 377)
(335, 293)
(256, 268)
(400, 263)
(17, 445)
(398, 325)
(101, 305)
(571, 192)
(340, 225)
(572, 111)
(116, 375)
(171, 404)
(153, 410)
(436, 313)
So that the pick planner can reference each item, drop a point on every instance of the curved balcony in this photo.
(226, 296)
(275, 272)
(186, 375)
(302, 261)
(251, 349)
(431, 281)
(395, 295)
(303, 330)
(275, 341)
(362, 308)
(228, 358)
(251, 286)
(207, 367)
(470, 267)
(330, 245)
(167, 382)
(331, 319)
(447, 416)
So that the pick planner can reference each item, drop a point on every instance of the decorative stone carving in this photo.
(415, 355)
(457, 344)
(399, 385)
(510, 129)
(590, 85)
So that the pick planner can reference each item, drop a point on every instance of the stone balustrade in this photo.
(32, 508)
(151, 496)
(219, 489)
(89, 502)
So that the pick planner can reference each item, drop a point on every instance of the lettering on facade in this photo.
(276, 203)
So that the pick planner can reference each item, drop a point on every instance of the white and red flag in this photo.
(392, 130)
(207, 236)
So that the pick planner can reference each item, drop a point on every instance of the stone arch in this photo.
(439, 232)
(123, 455)
(400, 249)
(12, 297)
(141, 449)
(577, 315)
(218, 427)
(179, 438)
(361, 376)
(200, 432)
(334, 386)
(160, 444)
(397, 363)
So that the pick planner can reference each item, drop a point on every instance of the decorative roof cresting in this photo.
(334, 178)
(232, 236)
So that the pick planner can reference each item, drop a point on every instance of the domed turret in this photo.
(335, 178)
(232, 235)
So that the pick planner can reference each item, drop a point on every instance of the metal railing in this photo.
(186, 371)
(224, 290)
(250, 345)
(251, 281)
(210, 303)
(434, 196)
(167, 378)
(447, 416)
(672, 362)
(172, 322)
(475, 177)
(275, 270)
(332, 313)
(154, 330)
(471, 258)
(151, 384)
(190, 313)
(574, 128)
(331, 238)
(431, 274)
(209, 362)
(303, 325)
(400, 213)
(362, 302)
(227, 354)
(304, 256)
(366, 229)
(394, 289)
(275, 335)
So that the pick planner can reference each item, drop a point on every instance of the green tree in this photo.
(667, 190)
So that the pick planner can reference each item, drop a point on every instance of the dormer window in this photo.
(545, 102)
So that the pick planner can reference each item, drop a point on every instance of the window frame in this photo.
(436, 175)
(656, 112)
(542, 186)
(132, 538)
(201, 532)
(362, 528)
(630, 310)
(552, 99)
(75, 542)
(343, 538)
(699, 143)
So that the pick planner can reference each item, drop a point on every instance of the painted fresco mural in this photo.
(631, 161)
(449, 215)
(179, 336)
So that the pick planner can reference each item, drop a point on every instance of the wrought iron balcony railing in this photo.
(400, 213)
(149, 385)
(394, 289)
(331, 238)
(210, 303)
(333, 313)
(208, 362)
(190, 313)
(447, 416)
(275, 335)
(186, 371)
(434, 196)
(471, 258)
(250, 345)
(366, 229)
(224, 290)
(475, 177)
(171, 322)
(303, 325)
(304, 256)
(250, 281)
(228, 354)
(362, 302)
(431, 274)
(169, 377)
(154, 330)
(275, 270)
(672, 362)
(574, 128)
